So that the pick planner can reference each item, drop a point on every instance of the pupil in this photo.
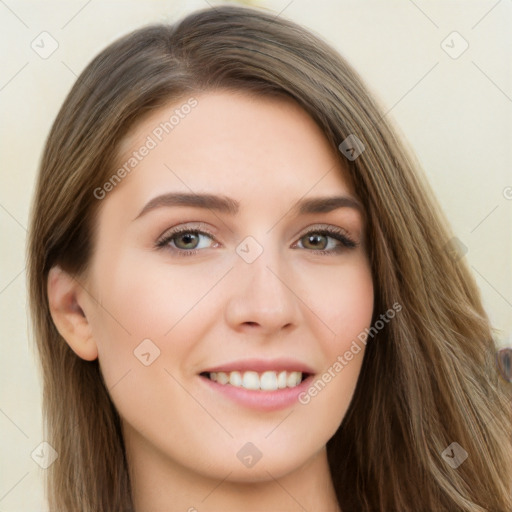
(187, 239)
(316, 240)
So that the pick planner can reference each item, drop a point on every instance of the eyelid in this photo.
(194, 227)
(322, 227)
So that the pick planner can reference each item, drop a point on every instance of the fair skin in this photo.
(292, 306)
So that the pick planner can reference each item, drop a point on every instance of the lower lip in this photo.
(260, 400)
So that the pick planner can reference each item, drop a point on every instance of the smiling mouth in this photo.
(265, 381)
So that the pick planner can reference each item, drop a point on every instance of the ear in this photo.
(65, 295)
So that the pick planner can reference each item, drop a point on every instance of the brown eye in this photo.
(327, 240)
(186, 240)
(315, 241)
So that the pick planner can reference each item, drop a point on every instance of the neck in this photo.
(160, 484)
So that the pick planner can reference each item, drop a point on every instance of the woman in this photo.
(241, 287)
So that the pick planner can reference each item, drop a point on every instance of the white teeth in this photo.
(221, 377)
(267, 381)
(250, 380)
(281, 380)
(293, 379)
(235, 379)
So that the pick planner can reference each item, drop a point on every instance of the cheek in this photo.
(146, 329)
(139, 301)
(351, 308)
(342, 299)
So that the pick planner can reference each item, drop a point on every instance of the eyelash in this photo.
(332, 232)
(337, 233)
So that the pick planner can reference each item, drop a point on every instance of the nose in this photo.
(262, 300)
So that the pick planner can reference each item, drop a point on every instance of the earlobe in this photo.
(64, 294)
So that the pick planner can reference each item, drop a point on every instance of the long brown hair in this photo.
(428, 378)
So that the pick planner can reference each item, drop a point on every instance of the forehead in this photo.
(230, 140)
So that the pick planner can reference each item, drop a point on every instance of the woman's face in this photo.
(231, 250)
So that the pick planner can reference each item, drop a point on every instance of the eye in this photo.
(190, 240)
(186, 240)
(325, 240)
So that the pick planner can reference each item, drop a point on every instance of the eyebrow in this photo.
(227, 205)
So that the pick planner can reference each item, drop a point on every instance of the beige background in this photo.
(455, 112)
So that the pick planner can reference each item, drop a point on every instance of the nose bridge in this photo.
(262, 294)
(268, 276)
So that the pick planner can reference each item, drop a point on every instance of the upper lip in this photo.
(261, 365)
